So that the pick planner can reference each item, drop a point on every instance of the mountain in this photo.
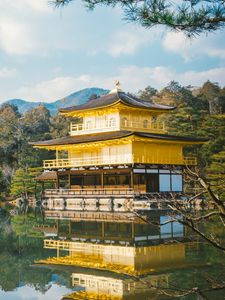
(75, 98)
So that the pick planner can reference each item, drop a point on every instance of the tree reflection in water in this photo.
(125, 261)
(146, 261)
(18, 276)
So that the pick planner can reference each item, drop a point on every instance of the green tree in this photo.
(10, 138)
(24, 186)
(216, 174)
(192, 117)
(212, 127)
(222, 102)
(59, 126)
(189, 112)
(3, 183)
(212, 93)
(189, 16)
(23, 183)
(35, 126)
(147, 94)
(36, 123)
(9, 134)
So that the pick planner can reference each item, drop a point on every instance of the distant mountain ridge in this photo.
(75, 98)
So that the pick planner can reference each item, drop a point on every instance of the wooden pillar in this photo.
(57, 154)
(131, 179)
(57, 180)
(58, 253)
(132, 230)
(103, 231)
(69, 180)
(102, 179)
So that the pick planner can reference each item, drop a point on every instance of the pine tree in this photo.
(147, 94)
(189, 16)
(23, 183)
(212, 93)
(216, 174)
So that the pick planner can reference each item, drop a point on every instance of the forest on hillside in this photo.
(199, 112)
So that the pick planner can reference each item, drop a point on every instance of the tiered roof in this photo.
(68, 140)
(116, 97)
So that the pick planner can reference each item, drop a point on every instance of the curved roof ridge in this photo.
(111, 98)
(133, 99)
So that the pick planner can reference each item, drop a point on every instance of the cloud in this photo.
(53, 89)
(132, 79)
(212, 45)
(15, 37)
(7, 73)
(129, 41)
(57, 70)
(177, 43)
(30, 293)
(199, 77)
(26, 27)
(37, 6)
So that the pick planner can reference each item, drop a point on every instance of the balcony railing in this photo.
(85, 128)
(185, 160)
(116, 160)
(88, 191)
(88, 161)
(157, 127)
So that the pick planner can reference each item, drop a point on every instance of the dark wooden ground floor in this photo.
(146, 179)
(131, 232)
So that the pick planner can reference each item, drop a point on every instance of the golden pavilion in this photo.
(117, 149)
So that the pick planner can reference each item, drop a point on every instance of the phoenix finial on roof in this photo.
(118, 85)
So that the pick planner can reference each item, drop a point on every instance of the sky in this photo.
(27, 292)
(48, 53)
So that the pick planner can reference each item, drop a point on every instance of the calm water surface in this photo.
(161, 262)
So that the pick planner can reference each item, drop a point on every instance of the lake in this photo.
(106, 260)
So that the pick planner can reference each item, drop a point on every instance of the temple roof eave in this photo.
(111, 136)
(113, 99)
(47, 176)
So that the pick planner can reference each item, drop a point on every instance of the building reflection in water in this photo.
(117, 288)
(138, 255)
